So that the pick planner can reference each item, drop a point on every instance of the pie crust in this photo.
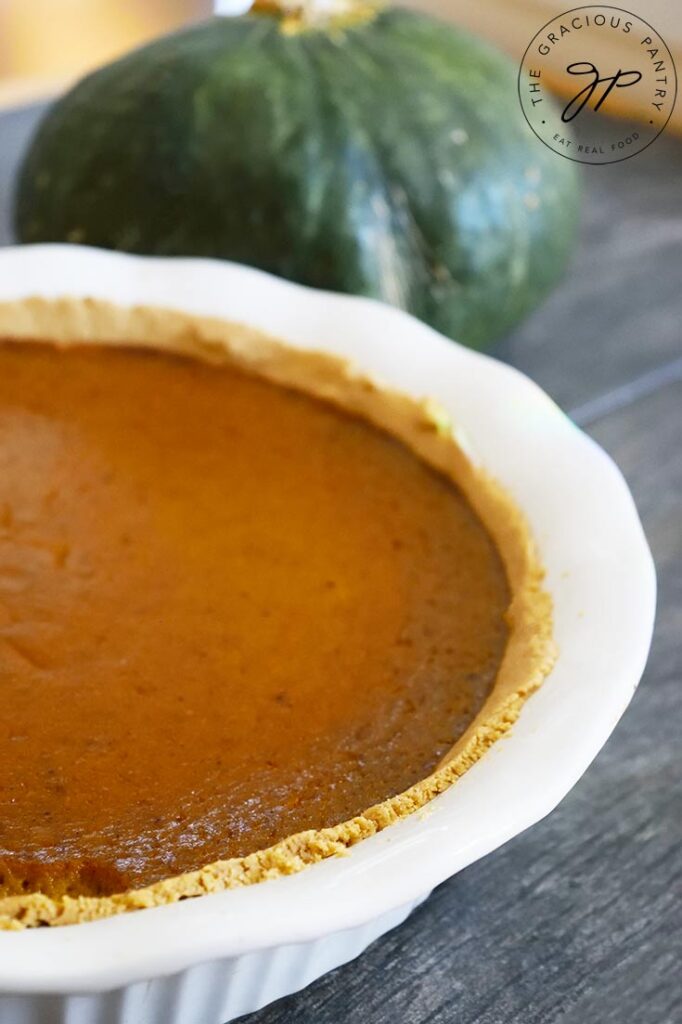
(423, 427)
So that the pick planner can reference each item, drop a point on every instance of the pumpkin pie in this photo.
(253, 609)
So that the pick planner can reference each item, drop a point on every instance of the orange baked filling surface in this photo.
(228, 612)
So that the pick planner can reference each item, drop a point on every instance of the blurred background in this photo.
(45, 44)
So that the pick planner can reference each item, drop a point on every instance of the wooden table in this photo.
(579, 920)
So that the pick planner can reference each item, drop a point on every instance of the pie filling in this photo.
(229, 612)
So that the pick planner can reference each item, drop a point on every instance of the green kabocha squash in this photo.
(369, 150)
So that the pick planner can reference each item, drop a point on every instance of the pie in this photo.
(254, 608)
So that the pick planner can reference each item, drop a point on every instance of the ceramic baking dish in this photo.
(208, 960)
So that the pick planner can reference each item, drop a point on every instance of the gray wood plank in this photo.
(16, 128)
(577, 921)
(618, 314)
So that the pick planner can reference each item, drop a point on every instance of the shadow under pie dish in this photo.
(256, 608)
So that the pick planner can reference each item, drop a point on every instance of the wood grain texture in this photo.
(618, 314)
(578, 920)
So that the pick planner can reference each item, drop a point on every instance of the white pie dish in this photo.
(208, 960)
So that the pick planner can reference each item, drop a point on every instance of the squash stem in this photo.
(298, 15)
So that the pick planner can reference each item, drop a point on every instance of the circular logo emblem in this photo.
(598, 60)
